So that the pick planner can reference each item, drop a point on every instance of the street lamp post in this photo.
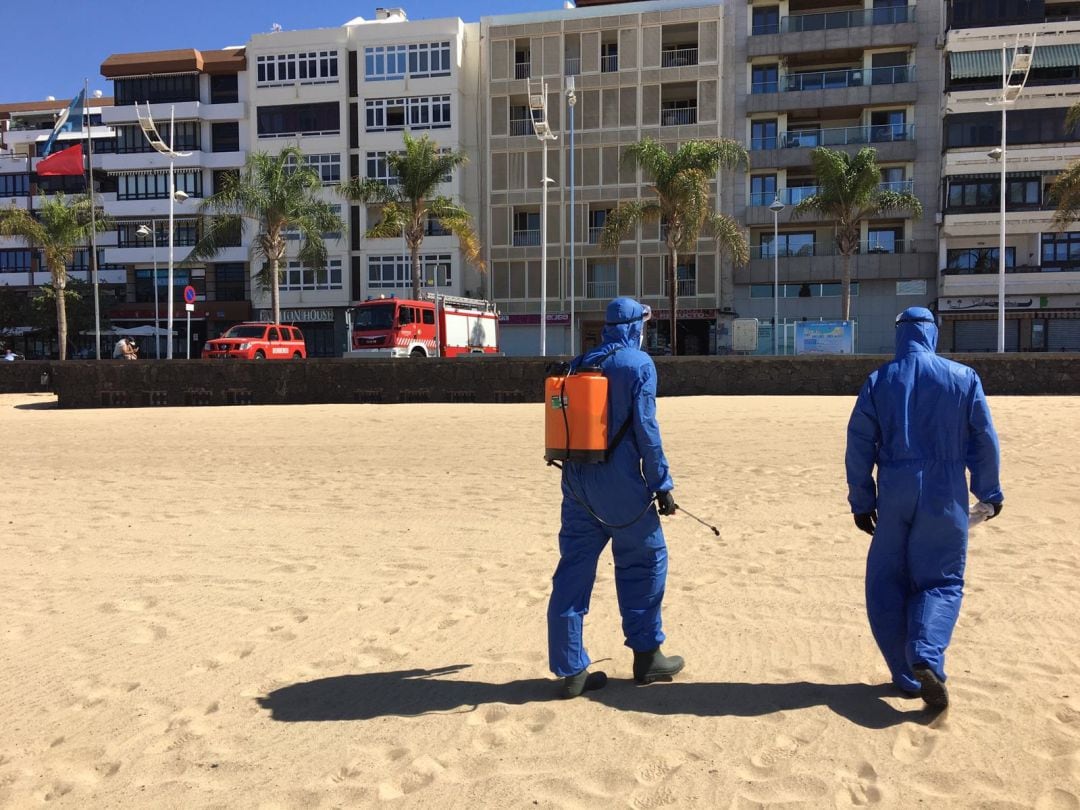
(151, 231)
(1022, 57)
(538, 112)
(776, 208)
(571, 100)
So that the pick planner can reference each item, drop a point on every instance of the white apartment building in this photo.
(1042, 280)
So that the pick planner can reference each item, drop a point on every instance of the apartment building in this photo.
(1042, 279)
(649, 69)
(24, 128)
(859, 74)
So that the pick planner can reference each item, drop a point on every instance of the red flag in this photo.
(65, 162)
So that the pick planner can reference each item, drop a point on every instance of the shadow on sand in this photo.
(415, 692)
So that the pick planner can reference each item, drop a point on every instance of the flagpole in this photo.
(93, 219)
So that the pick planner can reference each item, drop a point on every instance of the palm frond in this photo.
(622, 219)
(1065, 194)
(393, 219)
(730, 238)
(458, 221)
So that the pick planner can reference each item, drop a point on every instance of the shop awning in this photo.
(973, 64)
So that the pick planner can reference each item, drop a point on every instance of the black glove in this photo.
(665, 503)
(997, 510)
(867, 521)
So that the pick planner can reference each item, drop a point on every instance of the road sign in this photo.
(189, 294)
(189, 307)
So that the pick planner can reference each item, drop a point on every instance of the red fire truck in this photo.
(405, 327)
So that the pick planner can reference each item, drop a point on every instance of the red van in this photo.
(258, 341)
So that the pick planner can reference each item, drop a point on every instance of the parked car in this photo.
(258, 341)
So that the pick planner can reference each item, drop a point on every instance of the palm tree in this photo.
(849, 190)
(682, 181)
(410, 200)
(277, 193)
(1065, 191)
(57, 228)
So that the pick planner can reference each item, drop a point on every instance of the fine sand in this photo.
(344, 606)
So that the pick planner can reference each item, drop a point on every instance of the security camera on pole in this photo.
(538, 111)
(150, 131)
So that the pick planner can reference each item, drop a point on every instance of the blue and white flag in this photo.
(70, 120)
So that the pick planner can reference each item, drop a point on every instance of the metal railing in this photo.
(572, 66)
(679, 57)
(601, 289)
(678, 117)
(842, 136)
(521, 70)
(899, 186)
(809, 250)
(992, 269)
(521, 126)
(594, 234)
(796, 194)
(683, 286)
(526, 238)
(856, 18)
(609, 64)
(838, 79)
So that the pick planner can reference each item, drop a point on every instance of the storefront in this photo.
(208, 320)
(519, 335)
(318, 325)
(1047, 323)
(695, 331)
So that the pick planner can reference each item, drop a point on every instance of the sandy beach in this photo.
(344, 606)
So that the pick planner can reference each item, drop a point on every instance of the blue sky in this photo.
(51, 46)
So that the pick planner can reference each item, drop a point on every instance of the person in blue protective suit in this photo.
(613, 501)
(922, 420)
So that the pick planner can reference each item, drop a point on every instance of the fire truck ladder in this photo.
(458, 301)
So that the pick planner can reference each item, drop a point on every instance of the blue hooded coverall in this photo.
(921, 419)
(616, 491)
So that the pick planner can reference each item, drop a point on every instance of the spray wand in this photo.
(715, 530)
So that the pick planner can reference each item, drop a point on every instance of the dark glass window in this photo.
(977, 260)
(1061, 251)
(155, 186)
(982, 193)
(766, 20)
(219, 177)
(984, 129)
(188, 137)
(225, 136)
(763, 134)
(224, 89)
(790, 244)
(984, 13)
(156, 89)
(62, 184)
(14, 261)
(229, 281)
(14, 185)
(295, 119)
(762, 189)
(764, 78)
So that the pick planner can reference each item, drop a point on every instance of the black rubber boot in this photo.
(584, 681)
(653, 665)
(932, 690)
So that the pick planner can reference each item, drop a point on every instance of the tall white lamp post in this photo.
(1010, 91)
(175, 195)
(538, 111)
(571, 100)
(151, 231)
(776, 208)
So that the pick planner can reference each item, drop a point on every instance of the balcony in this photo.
(679, 57)
(831, 89)
(609, 64)
(684, 286)
(572, 66)
(521, 126)
(812, 249)
(595, 234)
(796, 194)
(830, 30)
(601, 289)
(526, 238)
(855, 18)
(678, 116)
(834, 79)
(522, 70)
(125, 114)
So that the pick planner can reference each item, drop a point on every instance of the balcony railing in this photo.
(609, 64)
(839, 79)
(899, 186)
(601, 289)
(573, 66)
(521, 70)
(842, 136)
(832, 20)
(594, 235)
(526, 238)
(684, 286)
(678, 57)
(521, 126)
(808, 250)
(796, 194)
(678, 117)
(992, 269)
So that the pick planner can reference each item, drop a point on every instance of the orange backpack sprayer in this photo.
(576, 415)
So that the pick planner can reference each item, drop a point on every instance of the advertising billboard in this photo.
(825, 337)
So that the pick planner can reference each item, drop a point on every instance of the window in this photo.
(15, 261)
(977, 260)
(225, 136)
(609, 57)
(762, 189)
(601, 278)
(885, 240)
(429, 59)
(1060, 251)
(186, 233)
(144, 284)
(378, 168)
(984, 129)
(597, 220)
(526, 228)
(187, 137)
(829, 289)
(327, 165)
(308, 67)
(522, 61)
(764, 78)
(156, 89)
(14, 185)
(297, 277)
(224, 89)
(418, 61)
(790, 244)
(766, 20)
(155, 186)
(981, 193)
(220, 175)
(385, 62)
(414, 112)
(299, 119)
(888, 125)
(395, 272)
(763, 134)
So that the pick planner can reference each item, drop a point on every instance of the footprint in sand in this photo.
(858, 789)
(1057, 799)
(914, 744)
(783, 748)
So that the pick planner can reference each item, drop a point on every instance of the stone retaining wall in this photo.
(152, 383)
